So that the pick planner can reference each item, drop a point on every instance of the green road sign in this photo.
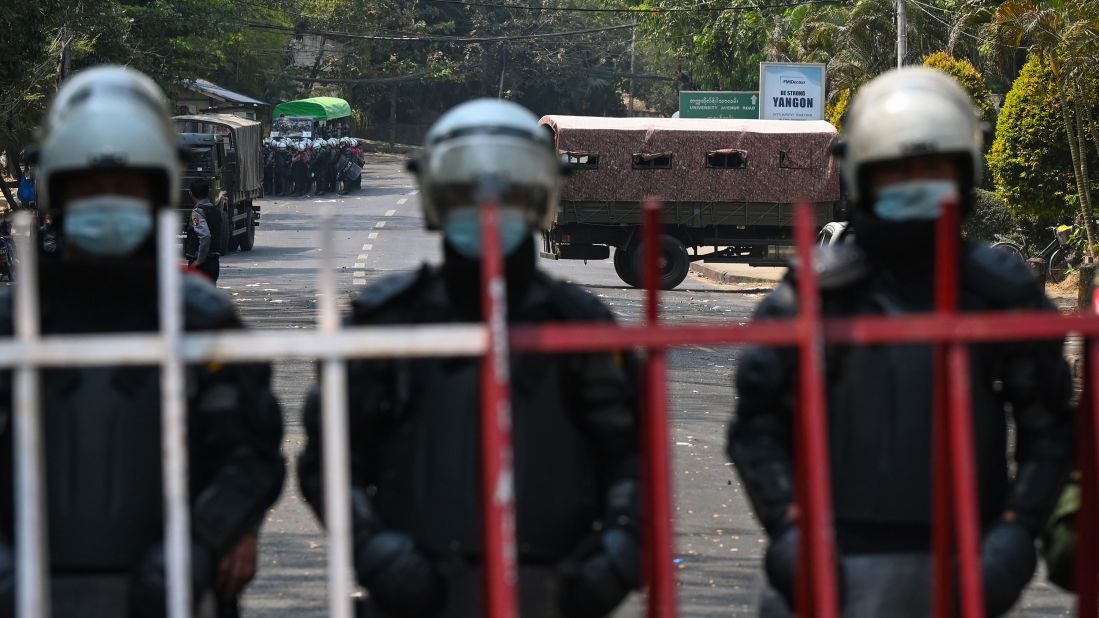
(718, 104)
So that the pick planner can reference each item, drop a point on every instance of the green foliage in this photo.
(1030, 159)
(969, 77)
(990, 218)
(837, 109)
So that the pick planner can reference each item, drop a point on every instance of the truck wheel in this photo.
(674, 262)
(625, 267)
(248, 240)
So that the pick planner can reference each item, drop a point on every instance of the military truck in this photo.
(225, 151)
(728, 189)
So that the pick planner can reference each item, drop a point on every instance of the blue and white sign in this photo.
(791, 91)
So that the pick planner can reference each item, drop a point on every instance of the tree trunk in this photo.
(1085, 172)
(1070, 135)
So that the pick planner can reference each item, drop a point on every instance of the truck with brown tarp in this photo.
(728, 189)
(224, 150)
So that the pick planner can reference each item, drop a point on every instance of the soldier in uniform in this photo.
(204, 233)
(109, 161)
(414, 423)
(912, 148)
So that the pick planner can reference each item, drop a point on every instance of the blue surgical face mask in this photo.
(107, 225)
(914, 200)
(462, 229)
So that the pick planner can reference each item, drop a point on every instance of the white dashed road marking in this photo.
(390, 213)
(359, 265)
(359, 273)
(372, 235)
(358, 281)
(401, 201)
(361, 256)
(380, 224)
(367, 247)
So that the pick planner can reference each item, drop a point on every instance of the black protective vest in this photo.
(428, 482)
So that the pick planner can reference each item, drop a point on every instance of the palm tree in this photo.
(1050, 27)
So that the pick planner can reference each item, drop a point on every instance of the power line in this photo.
(434, 37)
(581, 9)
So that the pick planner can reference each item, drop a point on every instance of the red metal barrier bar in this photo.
(1087, 458)
(930, 328)
(657, 494)
(497, 481)
(816, 577)
(955, 525)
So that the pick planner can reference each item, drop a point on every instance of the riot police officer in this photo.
(414, 423)
(912, 148)
(109, 160)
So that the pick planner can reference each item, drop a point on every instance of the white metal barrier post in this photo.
(336, 464)
(173, 415)
(31, 547)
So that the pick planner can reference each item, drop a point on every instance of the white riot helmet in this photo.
(110, 117)
(333, 142)
(488, 139)
(906, 113)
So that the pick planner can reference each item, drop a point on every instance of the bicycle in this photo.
(1057, 256)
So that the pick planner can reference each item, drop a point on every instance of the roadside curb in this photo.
(707, 271)
(373, 146)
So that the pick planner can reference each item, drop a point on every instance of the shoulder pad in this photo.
(999, 277)
(205, 307)
(387, 290)
(837, 266)
(574, 303)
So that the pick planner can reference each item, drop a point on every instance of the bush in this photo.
(834, 112)
(1030, 160)
(990, 217)
(970, 79)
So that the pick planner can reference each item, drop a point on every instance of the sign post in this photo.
(791, 91)
(719, 104)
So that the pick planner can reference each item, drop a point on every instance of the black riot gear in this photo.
(879, 403)
(102, 437)
(416, 447)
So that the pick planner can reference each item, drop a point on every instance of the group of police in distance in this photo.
(108, 160)
(304, 167)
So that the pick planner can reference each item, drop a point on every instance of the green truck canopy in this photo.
(321, 108)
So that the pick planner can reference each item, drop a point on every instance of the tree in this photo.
(1051, 27)
(969, 78)
(1030, 162)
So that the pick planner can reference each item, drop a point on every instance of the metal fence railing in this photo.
(955, 532)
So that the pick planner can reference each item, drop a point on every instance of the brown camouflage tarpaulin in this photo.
(783, 161)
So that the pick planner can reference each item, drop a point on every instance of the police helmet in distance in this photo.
(488, 140)
(908, 113)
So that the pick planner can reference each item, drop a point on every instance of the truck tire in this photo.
(248, 240)
(674, 264)
(625, 267)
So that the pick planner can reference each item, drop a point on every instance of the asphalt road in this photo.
(379, 231)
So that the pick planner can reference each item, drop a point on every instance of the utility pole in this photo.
(633, 40)
(902, 32)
